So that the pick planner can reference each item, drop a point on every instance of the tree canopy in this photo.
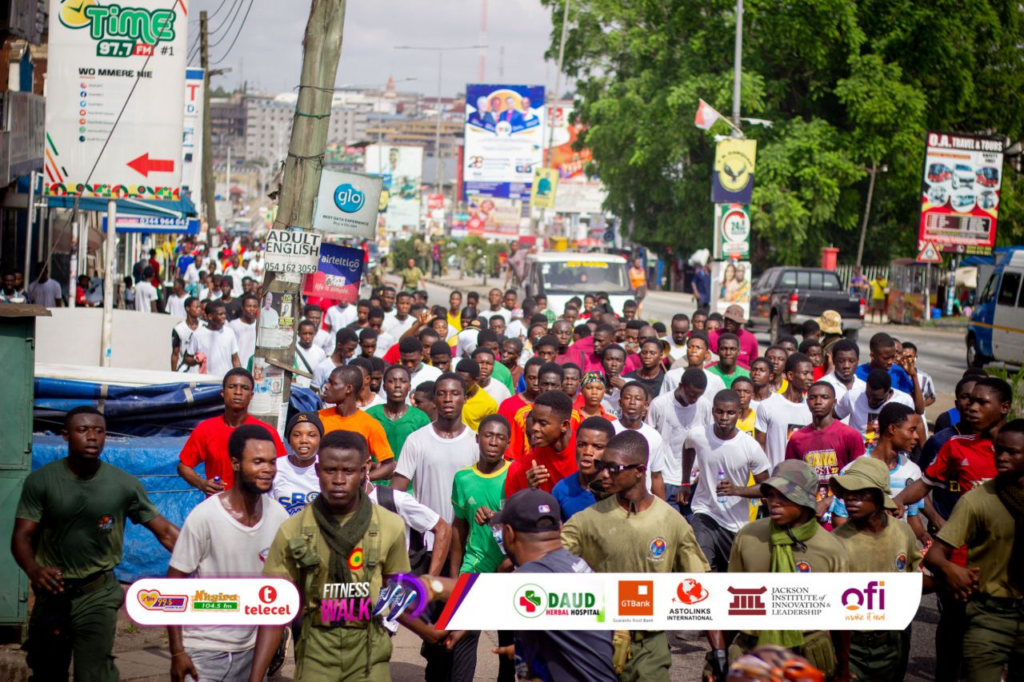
(845, 83)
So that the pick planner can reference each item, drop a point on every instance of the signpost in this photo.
(927, 253)
(292, 251)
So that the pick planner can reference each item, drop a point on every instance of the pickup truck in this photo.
(786, 297)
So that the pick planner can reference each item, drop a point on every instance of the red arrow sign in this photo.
(145, 165)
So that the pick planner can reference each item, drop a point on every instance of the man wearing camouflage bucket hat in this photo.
(791, 541)
(875, 543)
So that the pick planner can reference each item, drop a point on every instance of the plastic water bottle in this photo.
(216, 479)
(721, 477)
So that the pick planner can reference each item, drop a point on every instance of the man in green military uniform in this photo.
(337, 551)
(989, 520)
(791, 541)
(68, 537)
(412, 277)
(634, 531)
(875, 543)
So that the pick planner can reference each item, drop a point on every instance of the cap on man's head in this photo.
(865, 473)
(796, 481)
(830, 322)
(735, 313)
(530, 511)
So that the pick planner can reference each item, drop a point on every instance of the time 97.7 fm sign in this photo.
(960, 192)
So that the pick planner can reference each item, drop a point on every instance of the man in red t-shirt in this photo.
(826, 444)
(209, 440)
(553, 456)
(519, 406)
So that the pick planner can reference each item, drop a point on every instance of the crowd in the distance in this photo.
(497, 435)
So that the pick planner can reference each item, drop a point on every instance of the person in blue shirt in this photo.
(884, 355)
(573, 492)
(701, 284)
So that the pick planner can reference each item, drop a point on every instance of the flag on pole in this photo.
(706, 116)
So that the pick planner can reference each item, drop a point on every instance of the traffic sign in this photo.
(116, 64)
(927, 253)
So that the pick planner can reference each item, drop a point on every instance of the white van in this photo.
(996, 331)
(560, 275)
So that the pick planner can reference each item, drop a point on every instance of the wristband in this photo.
(684, 485)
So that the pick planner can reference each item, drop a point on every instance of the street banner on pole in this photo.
(97, 55)
(734, 231)
(192, 135)
(292, 250)
(732, 181)
(545, 186)
(960, 192)
(347, 204)
(338, 275)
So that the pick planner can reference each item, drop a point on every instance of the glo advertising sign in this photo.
(347, 204)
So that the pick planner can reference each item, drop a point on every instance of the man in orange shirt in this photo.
(342, 388)
(554, 455)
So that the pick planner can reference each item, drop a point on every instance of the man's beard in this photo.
(250, 486)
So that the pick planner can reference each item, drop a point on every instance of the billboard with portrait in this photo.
(734, 285)
(577, 193)
(504, 140)
(402, 171)
(494, 217)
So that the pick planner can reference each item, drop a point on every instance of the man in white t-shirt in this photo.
(308, 355)
(146, 294)
(484, 357)
(237, 273)
(410, 351)
(181, 335)
(726, 458)
(398, 322)
(783, 413)
(845, 357)
(227, 536)
(862, 407)
(245, 328)
(672, 415)
(633, 399)
(696, 357)
(418, 517)
(433, 454)
(214, 348)
(341, 315)
(176, 301)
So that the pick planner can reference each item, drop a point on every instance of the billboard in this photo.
(732, 181)
(576, 192)
(192, 135)
(338, 275)
(99, 54)
(960, 192)
(545, 188)
(504, 140)
(401, 168)
(494, 217)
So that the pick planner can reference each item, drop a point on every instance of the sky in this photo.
(268, 53)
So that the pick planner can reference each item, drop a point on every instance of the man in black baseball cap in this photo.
(531, 529)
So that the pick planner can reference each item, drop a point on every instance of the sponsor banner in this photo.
(401, 171)
(494, 217)
(99, 53)
(192, 135)
(142, 224)
(292, 250)
(347, 203)
(734, 231)
(504, 139)
(212, 601)
(580, 196)
(338, 274)
(545, 188)
(960, 192)
(677, 601)
(732, 181)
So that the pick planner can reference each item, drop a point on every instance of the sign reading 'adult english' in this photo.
(347, 203)
(338, 274)
(292, 250)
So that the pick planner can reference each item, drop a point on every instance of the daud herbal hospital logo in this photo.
(530, 601)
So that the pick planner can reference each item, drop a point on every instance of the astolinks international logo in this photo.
(348, 199)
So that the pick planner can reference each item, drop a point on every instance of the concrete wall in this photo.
(72, 337)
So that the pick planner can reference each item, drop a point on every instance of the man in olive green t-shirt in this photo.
(634, 531)
(412, 277)
(989, 520)
(68, 537)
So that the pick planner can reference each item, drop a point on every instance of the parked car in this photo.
(988, 176)
(996, 331)
(786, 297)
(939, 172)
(963, 176)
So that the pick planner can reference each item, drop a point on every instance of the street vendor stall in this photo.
(912, 288)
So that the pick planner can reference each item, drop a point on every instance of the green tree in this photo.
(844, 82)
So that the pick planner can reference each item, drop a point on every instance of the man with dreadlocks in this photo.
(989, 520)
(338, 550)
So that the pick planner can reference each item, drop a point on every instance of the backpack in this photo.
(419, 559)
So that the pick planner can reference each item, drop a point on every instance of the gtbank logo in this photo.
(871, 598)
(348, 199)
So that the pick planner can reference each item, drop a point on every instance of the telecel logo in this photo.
(348, 199)
(871, 598)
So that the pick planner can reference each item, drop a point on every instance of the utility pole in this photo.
(873, 171)
(275, 346)
(551, 110)
(209, 190)
(737, 68)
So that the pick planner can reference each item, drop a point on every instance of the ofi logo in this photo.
(871, 598)
(348, 199)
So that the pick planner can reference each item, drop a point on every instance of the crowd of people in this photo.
(494, 434)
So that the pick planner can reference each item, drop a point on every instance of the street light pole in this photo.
(737, 68)
(873, 171)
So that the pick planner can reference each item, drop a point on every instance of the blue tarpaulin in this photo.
(155, 462)
(160, 410)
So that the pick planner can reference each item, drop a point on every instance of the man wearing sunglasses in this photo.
(634, 531)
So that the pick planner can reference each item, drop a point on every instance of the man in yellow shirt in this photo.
(455, 311)
(479, 403)
(878, 285)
